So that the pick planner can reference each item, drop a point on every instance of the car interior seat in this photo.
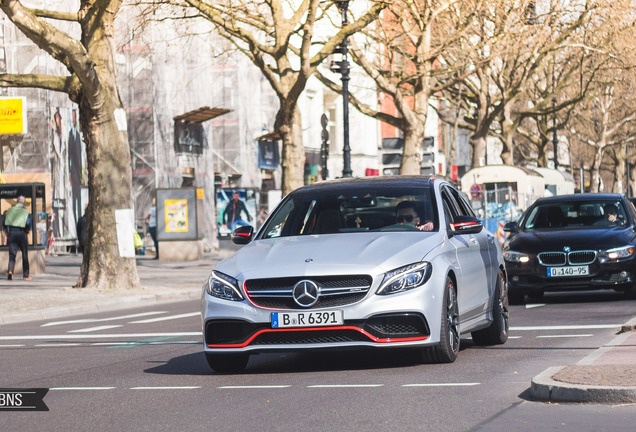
(328, 222)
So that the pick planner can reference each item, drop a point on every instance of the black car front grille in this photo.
(335, 291)
(309, 337)
(580, 257)
(552, 258)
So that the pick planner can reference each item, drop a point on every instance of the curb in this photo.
(120, 303)
(544, 388)
(628, 326)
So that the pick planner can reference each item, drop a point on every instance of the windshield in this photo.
(594, 214)
(361, 209)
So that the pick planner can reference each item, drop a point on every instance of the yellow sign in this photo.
(176, 215)
(200, 193)
(13, 115)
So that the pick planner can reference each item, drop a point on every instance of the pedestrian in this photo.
(151, 220)
(16, 227)
(81, 232)
(232, 214)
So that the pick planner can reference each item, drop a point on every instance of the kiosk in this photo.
(35, 194)
(179, 224)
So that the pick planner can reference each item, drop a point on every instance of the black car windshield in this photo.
(354, 209)
(575, 214)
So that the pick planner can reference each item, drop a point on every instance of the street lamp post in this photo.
(555, 140)
(342, 67)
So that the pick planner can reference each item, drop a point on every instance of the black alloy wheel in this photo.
(497, 332)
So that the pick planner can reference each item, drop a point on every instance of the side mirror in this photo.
(466, 225)
(510, 227)
(242, 235)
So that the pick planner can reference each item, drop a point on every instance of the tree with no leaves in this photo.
(279, 37)
(92, 84)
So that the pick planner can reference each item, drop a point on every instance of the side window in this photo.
(464, 207)
(450, 205)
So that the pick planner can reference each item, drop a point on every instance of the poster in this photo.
(176, 211)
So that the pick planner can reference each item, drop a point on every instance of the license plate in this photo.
(568, 271)
(307, 319)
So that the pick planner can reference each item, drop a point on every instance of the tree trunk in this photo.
(478, 144)
(596, 170)
(290, 129)
(412, 154)
(109, 165)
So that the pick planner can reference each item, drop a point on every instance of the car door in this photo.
(473, 258)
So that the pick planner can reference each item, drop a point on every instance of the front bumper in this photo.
(533, 277)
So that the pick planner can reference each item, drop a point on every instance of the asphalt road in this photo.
(143, 369)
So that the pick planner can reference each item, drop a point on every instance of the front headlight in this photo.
(223, 286)
(516, 257)
(405, 278)
(616, 254)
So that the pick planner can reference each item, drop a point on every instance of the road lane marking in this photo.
(12, 346)
(55, 345)
(171, 317)
(99, 336)
(80, 388)
(93, 320)
(344, 385)
(563, 336)
(167, 388)
(566, 327)
(254, 387)
(93, 329)
(534, 305)
(442, 384)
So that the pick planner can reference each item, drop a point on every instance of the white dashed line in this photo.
(344, 385)
(167, 388)
(100, 336)
(567, 327)
(93, 329)
(443, 385)
(564, 336)
(254, 387)
(80, 388)
(93, 320)
(12, 346)
(171, 317)
(55, 345)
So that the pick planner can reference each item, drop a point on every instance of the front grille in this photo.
(335, 291)
(579, 257)
(552, 258)
(582, 257)
(309, 337)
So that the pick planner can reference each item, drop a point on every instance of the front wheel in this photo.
(448, 348)
(227, 363)
(497, 332)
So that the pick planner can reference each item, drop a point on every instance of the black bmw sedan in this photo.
(572, 242)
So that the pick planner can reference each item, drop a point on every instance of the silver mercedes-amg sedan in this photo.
(367, 262)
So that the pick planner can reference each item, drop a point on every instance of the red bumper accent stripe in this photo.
(358, 329)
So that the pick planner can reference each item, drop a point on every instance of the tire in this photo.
(227, 363)
(449, 339)
(497, 332)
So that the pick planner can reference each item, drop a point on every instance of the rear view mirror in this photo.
(466, 225)
(242, 235)
(510, 227)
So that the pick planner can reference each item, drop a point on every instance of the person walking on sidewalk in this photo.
(151, 220)
(16, 227)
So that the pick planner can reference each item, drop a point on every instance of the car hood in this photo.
(590, 238)
(351, 253)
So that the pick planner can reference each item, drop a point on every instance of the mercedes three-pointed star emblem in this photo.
(306, 293)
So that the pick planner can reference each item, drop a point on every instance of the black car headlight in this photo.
(616, 254)
(223, 286)
(516, 257)
(405, 278)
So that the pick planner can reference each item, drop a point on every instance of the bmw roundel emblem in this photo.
(567, 249)
(306, 293)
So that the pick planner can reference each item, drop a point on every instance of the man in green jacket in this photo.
(16, 226)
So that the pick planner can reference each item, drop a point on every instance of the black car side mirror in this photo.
(242, 235)
(510, 227)
(466, 225)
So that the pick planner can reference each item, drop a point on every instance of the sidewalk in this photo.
(51, 295)
(608, 375)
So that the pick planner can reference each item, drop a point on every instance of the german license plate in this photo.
(568, 271)
(307, 319)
